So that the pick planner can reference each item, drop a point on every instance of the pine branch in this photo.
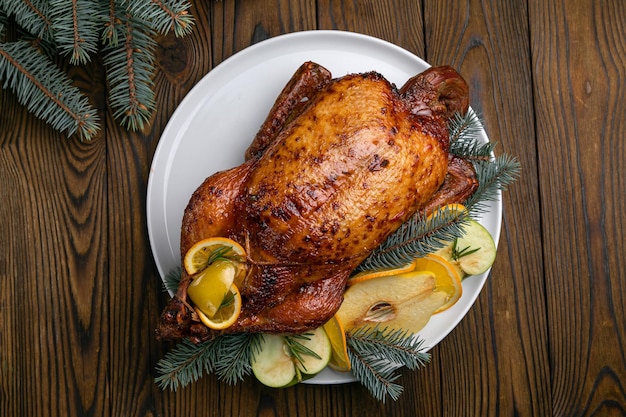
(227, 355)
(185, 364)
(172, 279)
(375, 356)
(45, 90)
(416, 238)
(395, 345)
(4, 21)
(233, 362)
(129, 75)
(113, 28)
(164, 15)
(493, 177)
(31, 15)
(76, 28)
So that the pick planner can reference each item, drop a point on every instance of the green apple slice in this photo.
(281, 363)
(474, 252)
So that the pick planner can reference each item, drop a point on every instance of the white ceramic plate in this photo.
(217, 120)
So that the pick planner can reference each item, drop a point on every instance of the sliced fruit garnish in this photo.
(210, 286)
(474, 252)
(206, 251)
(447, 279)
(339, 360)
(365, 275)
(282, 361)
(404, 301)
(226, 314)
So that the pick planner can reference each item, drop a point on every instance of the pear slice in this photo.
(405, 301)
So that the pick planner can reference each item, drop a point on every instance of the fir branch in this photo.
(375, 356)
(415, 238)
(113, 28)
(4, 21)
(172, 279)
(233, 361)
(32, 15)
(76, 26)
(396, 345)
(185, 364)
(46, 91)
(164, 15)
(129, 75)
(227, 355)
(464, 126)
(493, 177)
(378, 376)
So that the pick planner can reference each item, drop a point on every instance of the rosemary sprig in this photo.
(297, 349)
(459, 253)
(224, 253)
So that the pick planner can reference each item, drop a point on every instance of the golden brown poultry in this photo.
(338, 165)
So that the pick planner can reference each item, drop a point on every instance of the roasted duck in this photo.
(338, 165)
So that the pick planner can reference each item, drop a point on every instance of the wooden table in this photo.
(80, 295)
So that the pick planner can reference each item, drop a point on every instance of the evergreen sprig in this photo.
(172, 279)
(76, 28)
(30, 15)
(228, 356)
(45, 90)
(376, 354)
(124, 30)
(129, 67)
(164, 15)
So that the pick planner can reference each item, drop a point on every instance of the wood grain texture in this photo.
(54, 349)
(80, 295)
(495, 371)
(578, 72)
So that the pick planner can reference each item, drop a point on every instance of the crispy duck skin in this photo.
(319, 191)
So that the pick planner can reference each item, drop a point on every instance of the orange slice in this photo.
(365, 275)
(226, 315)
(447, 278)
(339, 360)
(202, 253)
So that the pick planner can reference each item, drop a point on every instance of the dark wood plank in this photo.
(239, 24)
(578, 68)
(399, 21)
(136, 296)
(53, 343)
(496, 361)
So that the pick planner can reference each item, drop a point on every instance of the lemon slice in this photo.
(202, 253)
(226, 315)
(339, 359)
(210, 286)
(447, 278)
